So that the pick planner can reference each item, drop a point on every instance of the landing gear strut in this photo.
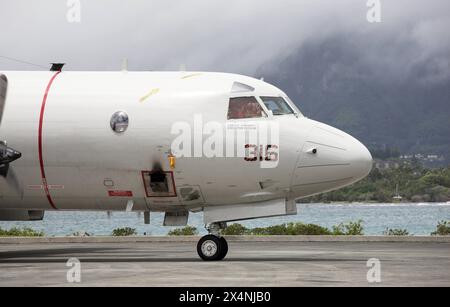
(213, 247)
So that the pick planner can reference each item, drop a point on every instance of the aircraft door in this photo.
(169, 188)
(160, 188)
(159, 184)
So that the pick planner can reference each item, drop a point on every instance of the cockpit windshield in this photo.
(244, 107)
(277, 105)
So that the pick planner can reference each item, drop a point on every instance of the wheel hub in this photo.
(209, 248)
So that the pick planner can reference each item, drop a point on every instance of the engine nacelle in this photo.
(21, 215)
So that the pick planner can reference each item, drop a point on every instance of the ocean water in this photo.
(418, 219)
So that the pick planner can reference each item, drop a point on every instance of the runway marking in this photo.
(41, 159)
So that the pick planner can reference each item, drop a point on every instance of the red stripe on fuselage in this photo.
(41, 159)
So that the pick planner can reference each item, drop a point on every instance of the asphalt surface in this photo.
(247, 264)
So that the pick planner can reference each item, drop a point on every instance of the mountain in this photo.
(335, 82)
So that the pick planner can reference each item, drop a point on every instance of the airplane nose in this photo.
(330, 159)
(360, 159)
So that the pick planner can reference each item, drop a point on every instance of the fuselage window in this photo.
(119, 122)
(244, 107)
(277, 105)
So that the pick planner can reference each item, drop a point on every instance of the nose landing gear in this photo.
(213, 247)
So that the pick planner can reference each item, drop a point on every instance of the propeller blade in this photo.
(8, 155)
(4, 170)
(11, 178)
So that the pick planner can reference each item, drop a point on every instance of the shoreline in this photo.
(174, 239)
(419, 219)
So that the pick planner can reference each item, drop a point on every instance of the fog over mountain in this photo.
(387, 83)
(331, 82)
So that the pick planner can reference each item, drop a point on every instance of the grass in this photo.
(290, 229)
(349, 229)
(294, 229)
(186, 231)
(124, 232)
(20, 232)
(396, 232)
(442, 229)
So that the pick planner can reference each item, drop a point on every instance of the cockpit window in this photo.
(294, 106)
(277, 105)
(244, 107)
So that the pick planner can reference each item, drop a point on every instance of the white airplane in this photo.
(104, 141)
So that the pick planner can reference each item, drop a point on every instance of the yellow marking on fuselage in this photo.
(191, 76)
(153, 92)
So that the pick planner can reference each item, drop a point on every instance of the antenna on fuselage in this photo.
(57, 66)
(125, 65)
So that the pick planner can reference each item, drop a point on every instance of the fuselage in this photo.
(73, 160)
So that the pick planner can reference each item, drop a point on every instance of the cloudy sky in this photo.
(234, 35)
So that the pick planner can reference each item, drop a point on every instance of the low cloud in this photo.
(233, 36)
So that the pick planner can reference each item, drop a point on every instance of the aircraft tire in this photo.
(211, 248)
(224, 251)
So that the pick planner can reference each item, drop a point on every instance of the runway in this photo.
(248, 263)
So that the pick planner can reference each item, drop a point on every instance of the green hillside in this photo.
(415, 184)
